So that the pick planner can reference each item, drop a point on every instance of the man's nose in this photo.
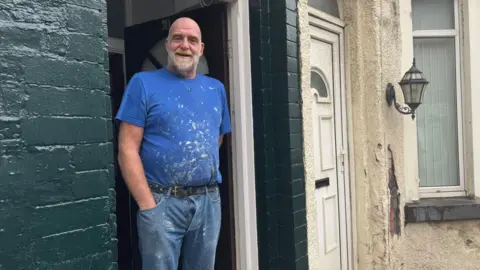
(184, 44)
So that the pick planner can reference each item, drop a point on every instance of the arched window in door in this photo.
(327, 6)
(319, 86)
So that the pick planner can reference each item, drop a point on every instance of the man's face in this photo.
(184, 47)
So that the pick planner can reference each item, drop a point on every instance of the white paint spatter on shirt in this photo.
(196, 157)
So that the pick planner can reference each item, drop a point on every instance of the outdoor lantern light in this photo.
(413, 86)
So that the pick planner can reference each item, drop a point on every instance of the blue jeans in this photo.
(189, 225)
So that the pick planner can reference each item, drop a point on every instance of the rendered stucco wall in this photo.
(304, 53)
(373, 50)
(379, 50)
(437, 246)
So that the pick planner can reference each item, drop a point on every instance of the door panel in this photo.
(145, 50)
(327, 134)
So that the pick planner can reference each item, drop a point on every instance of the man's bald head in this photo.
(184, 23)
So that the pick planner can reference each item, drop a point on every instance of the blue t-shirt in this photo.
(182, 121)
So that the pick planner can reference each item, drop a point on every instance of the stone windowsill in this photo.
(442, 209)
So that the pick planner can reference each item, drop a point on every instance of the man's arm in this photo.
(130, 138)
(225, 125)
(220, 140)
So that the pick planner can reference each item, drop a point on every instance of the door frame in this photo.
(116, 45)
(246, 247)
(335, 25)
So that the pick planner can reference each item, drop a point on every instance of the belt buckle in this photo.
(175, 189)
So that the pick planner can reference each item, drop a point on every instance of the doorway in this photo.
(330, 141)
(117, 84)
(144, 50)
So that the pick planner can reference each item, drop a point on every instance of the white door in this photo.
(329, 146)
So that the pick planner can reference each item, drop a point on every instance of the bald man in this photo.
(172, 121)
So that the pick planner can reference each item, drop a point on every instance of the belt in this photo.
(179, 191)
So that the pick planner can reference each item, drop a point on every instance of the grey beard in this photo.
(180, 71)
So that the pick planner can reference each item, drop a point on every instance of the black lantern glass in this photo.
(413, 86)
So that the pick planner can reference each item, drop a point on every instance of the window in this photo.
(318, 83)
(327, 6)
(436, 40)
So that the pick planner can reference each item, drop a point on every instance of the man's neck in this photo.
(191, 75)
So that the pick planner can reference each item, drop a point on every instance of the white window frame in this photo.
(471, 9)
(460, 190)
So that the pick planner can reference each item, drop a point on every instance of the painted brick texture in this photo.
(57, 194)
(282, 232)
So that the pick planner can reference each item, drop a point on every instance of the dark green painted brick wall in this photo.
(281, 215)
(56, 154)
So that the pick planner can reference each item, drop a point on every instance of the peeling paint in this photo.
(394, 222)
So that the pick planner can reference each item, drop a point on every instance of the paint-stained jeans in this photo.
(189, 225)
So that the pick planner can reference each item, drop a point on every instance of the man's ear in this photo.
(201, 50)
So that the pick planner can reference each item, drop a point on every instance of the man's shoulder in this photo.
(148, 75)
(149, 80)
(212, 82)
